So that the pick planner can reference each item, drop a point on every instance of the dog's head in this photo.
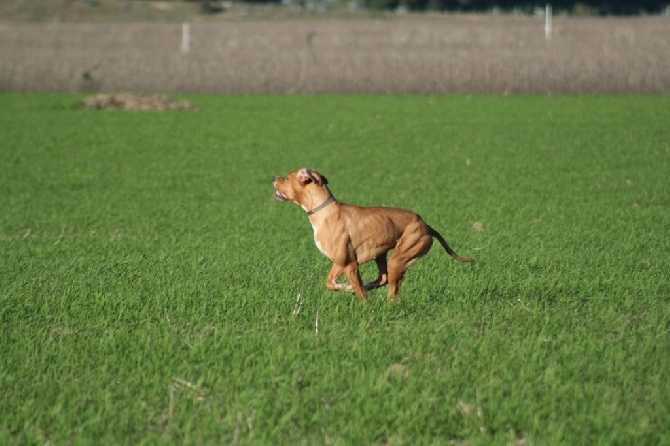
(305, 187)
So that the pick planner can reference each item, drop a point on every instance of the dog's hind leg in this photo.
(409, 248)
(382, 278)
(396, 273)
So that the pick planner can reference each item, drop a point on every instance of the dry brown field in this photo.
(391, 54)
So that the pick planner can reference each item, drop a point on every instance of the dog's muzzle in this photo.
(278, 195)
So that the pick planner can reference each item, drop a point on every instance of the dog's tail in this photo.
(447, 248)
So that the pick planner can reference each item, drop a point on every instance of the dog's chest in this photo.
(317, 241)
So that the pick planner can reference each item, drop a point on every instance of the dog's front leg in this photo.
(354, 277)
(350, 271)
(331, 281)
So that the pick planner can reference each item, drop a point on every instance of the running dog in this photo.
(352, 235)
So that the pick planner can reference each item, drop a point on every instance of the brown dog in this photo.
(352, 235)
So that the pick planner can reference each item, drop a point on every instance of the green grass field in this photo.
(152, 291)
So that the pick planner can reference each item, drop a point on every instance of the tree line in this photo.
(602, 7)
(605, 7)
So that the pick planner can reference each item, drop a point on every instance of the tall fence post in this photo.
(185, 38)
(547, 23)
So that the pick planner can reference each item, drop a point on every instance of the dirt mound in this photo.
(127, 101)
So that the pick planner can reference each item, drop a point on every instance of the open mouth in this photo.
(281, 197)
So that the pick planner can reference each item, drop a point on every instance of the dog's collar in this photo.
(321, 206)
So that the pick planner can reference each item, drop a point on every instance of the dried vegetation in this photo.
(129, 101)
(410, 54)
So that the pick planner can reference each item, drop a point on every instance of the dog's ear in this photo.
(318, 179)
(306, 176)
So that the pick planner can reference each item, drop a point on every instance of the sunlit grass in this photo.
(152, 290)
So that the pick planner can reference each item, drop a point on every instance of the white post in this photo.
(547, 23)
(185, 38)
